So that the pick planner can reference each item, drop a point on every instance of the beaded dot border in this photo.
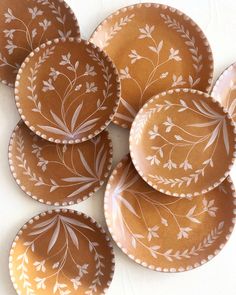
(173, 10)
(71, 12)
(144, 263)
(37, 217)
(117, 94)
(154, 185)
(44, 201)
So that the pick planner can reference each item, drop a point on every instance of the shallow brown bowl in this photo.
(67, 91)
(61, 252)
(155, 47)
(26, 24)
(182, 142)
(57, 174)
(165, 233)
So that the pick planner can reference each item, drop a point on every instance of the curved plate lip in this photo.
(85, 216)
(145, 264)
(45, 201)
(221, 77)
(184, 91)
(171, 9)
(71, 12)
(116, 95)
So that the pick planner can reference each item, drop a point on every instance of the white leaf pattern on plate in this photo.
(34, 28)
(35, 160)
(62, 250)
(165, 232)
(179, 127)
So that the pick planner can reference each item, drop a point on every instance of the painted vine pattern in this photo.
(154, 47)
(31, 30)
(114, 30)
(134, 201)
(190, 41)
(182, 137)
(73, 232)
(157, 67)
(61, 123)
(78, 183)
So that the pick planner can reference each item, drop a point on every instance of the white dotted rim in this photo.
(44, 200)
(173, 10)
(154, 185)
(71, 12)
(144, 263)
(116, 95)
(90, 219)
(222, 77)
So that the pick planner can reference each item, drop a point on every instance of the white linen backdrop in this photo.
(218, 21)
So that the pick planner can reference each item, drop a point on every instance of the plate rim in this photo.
(220, 78)
(173, 10)
(117, 95)
(77, 26)
(152, 267)
(48, 212)
(43, 200)
(184, 91)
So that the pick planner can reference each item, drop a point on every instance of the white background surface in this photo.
(218, 277)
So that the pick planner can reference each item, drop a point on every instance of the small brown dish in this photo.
(59, 174)
(26, 24)
(165, 233)
(61, 252)
(155, 47)
(225, 90)
(182, 142)
(67, 91)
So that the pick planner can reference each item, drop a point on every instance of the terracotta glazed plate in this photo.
(155, 47)
(26, 24)
(67, 91)
(61, 252)
(59, 174)
(165, 233)
(182, 142)
(225, 90)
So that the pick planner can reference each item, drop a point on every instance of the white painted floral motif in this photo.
(34, 31)
(116, 28)
(141, 204)
(149, 52)
(155, 47)
(76, 90)
(183, 137)
(77, 182)
(73, 232)
(190, 41)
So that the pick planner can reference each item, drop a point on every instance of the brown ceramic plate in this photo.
(182, 142)
(165, 233)
(155, 47)
(61, 252)
(59, 174)
(67, 90)
(225, 90)
(26, 24)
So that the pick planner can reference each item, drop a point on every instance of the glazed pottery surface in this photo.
(61, 252)
(155, 48)
(67, 91)
(59, 174)
(26, 24)
(182, 142)
(165, 233)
